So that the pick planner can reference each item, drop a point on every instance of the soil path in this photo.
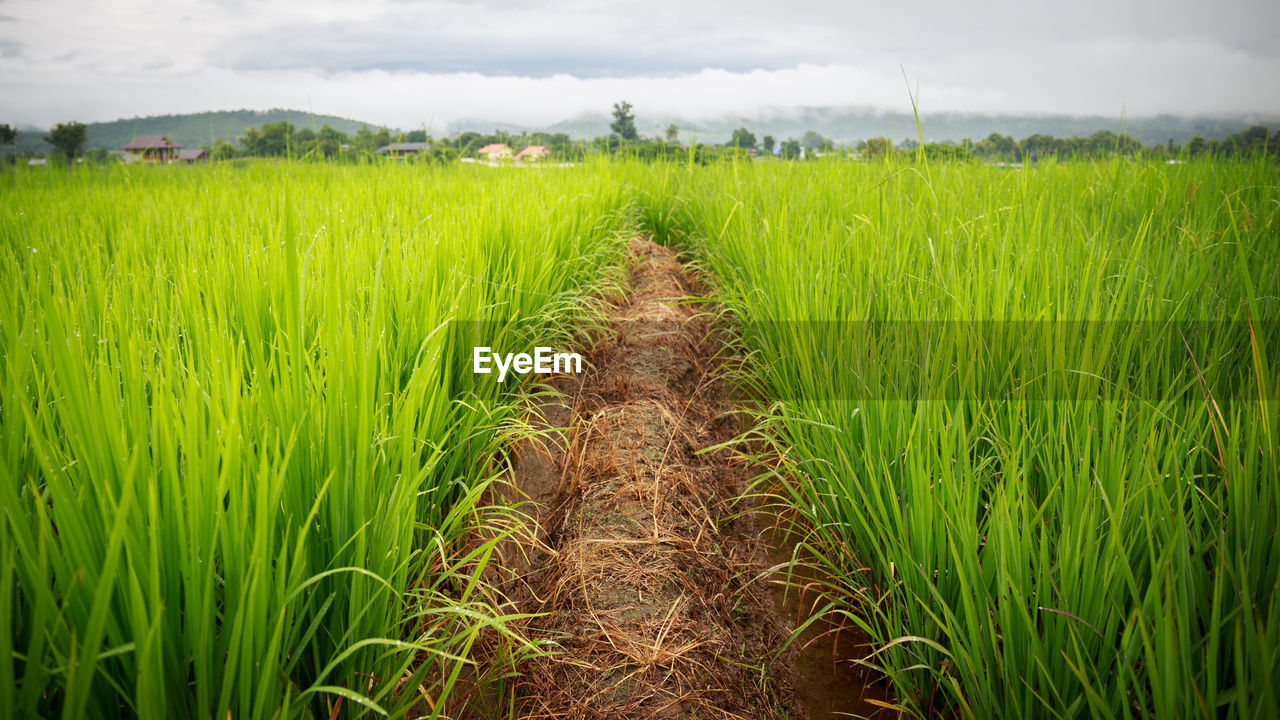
(650, 576)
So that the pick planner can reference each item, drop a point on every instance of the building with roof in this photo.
(403, 149)
(193, 155)
(532, 153)
(495, 151)
(151, 148)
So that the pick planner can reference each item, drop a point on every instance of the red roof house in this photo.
(154, 148)
(495, 151)
(533, 152)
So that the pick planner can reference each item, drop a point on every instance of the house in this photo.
(532, 153)
(193, 155)
(37, 162)
(496, 151)
(152, 148)
(403, 149)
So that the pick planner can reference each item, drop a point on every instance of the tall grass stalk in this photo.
(242, 452)
(1027, 417)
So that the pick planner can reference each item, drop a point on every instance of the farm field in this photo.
(1022, 422)
(1028, 419)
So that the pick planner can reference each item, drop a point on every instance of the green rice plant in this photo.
(1026, 417)
(242, 454)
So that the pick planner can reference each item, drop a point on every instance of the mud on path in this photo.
(649, 578)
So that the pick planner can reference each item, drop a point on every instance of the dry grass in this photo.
(643, 588)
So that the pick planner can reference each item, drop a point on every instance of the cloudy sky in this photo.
(415, 64)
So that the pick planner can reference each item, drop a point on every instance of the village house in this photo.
(403, 149)
(194, 155)
(495, 151)
(151, 148)
(532, 153)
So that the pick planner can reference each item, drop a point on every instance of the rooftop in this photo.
(403, 147)
(150, 142)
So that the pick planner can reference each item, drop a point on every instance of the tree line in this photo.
(283, 140)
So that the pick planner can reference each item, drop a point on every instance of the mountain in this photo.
(851, 124)
(842, 124)
(191, 130)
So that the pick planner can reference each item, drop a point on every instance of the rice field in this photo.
(241, 441)
(1025, 421)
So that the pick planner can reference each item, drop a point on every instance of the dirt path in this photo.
(650, 578)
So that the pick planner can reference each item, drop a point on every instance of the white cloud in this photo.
(410, 64)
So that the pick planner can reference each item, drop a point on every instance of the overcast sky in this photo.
(415, 64)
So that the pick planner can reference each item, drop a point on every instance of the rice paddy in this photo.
(1022, 421)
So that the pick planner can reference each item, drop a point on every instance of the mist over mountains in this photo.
(845, 125)
(851, 124)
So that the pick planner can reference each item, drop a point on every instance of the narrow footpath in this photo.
(651, 576)
(648, 591)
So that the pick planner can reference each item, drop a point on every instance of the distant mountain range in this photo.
(193, 130)
(841, 124)
(851, 124)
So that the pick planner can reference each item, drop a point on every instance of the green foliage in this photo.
(67, 138)
(997, 146)
(99, 156)
(1027, 421)
(223, 151)
(242, 452)
(875, 147)
(624, 121)
(192, 130)
(742, 138)
(8, 134)
(273, 140)
(814, 141)
(366, 140)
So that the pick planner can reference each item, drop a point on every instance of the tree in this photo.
(222, 150)
(768, 143)
(813, 140)
(469, 142)
(330, 141)
(873, 147)
(8, 134)
(1039, 145)
(624, 121)
(997, 146)
(1248, 141)
(364, 140)
(743, 138)
(673, 133)
(790, 149)
(274, 139)
(67, 138)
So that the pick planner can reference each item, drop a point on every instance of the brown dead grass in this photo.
(645, 578)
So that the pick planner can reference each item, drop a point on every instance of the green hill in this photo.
(191, 130)
(848, 125)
